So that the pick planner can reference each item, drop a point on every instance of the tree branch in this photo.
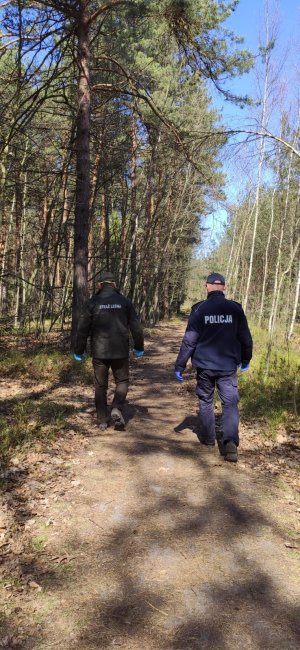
(259, 134)
(107, 7)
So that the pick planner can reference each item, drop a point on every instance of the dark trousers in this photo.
(226, 383)
(120, 370)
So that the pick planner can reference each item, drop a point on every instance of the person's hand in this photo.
(77, 357)
(244, 367)
(178, 375)
(138, 353)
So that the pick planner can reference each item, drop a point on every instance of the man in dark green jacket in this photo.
(107, 318)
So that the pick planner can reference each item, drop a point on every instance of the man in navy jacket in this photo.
(218, 340)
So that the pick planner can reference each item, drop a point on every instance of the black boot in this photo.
(230, 451)
(207, 443)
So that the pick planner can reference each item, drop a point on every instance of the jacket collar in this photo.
(211, 294)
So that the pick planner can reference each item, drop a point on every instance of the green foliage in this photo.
(38, 543)
(78, 373)
(151, 67)
(264, 51)
(46, 365)
(272, 402)
(40, 366)
(24, 420)
(29, 420)
(275, 399)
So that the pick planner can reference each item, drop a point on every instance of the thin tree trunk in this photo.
(133, 210)
(24, 225)
(266, 265)
(93, 197)
(6, 242)
(256, 215)
(107, 230)
(81, 224)
(264, 121)
(3, 234)
(273, 312)
(18, 239)
(294, 223)
(280, 283)
(239, 253)
(296, 301)
(228, 269)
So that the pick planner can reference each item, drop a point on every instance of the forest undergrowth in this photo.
(274, 394)
(84, 515)
(269, 405)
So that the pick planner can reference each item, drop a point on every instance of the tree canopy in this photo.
(106, 154)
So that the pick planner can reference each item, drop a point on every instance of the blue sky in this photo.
(248, 21)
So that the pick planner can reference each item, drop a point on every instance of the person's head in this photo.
(215, 282)
(106, 279)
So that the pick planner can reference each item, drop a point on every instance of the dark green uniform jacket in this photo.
(107, 318)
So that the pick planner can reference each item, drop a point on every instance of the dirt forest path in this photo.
(149, 541)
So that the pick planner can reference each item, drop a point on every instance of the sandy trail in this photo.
(155, 542)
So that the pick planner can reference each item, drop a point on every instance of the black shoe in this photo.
(207, 443)
(230, 453)
(117, 419)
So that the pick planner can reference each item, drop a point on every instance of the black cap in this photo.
(106, 276)
(215, 278)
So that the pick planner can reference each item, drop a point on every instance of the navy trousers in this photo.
(226, 384)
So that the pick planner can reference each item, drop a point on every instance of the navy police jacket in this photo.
(217, 336)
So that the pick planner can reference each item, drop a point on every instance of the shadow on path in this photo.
(175, 551)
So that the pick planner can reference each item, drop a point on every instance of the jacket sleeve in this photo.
(135, 327)
(245, 339)
(188, 345)
(83, 329)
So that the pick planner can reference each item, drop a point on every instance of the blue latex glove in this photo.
(178, 375)
(244, 367)
(77, 357)
(138, 353)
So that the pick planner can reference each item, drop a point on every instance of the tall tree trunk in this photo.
(107, 230)
(18, 239)
(275, 307)
(123, 242)
(3, 225)
(133, 210)
(296, 301)
(81, 224)
(93, 197)
(232, 248)
(273, 312)
(23, 234)
(266, 265)
(264, 122)
(237, 261)
(294, 228)
(3, 291)
(256, 215)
